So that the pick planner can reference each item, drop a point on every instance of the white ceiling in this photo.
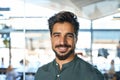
(88, 9)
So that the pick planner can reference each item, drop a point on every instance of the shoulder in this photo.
(87, 66)
(84, 63)
(43, 71)
(45, 67)
(89, 69)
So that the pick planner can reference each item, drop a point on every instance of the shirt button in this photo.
(58, 75)
(56, 64)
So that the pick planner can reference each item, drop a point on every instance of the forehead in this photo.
(63, 27)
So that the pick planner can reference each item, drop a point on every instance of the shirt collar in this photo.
(67, 64)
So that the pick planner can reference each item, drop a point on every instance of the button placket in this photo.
(58, 77)
(58, 71)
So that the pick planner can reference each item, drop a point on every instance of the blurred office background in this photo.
(25, 41)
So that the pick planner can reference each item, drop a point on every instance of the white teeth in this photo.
(62, 48)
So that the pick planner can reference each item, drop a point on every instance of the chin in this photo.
(65, 56)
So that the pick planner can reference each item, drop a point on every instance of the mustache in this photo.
(65, 45)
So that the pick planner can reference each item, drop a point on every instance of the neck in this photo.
(61, 62)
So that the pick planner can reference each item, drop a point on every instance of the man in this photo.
(64, 29)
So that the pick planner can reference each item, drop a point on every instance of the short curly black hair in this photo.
(64, 16)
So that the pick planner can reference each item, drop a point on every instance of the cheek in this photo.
(54, 42)
(73, 43)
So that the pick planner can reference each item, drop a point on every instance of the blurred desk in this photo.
(3, 70)
(28, 75)
(118, 75)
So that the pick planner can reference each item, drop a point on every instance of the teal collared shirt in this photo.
(77, 69)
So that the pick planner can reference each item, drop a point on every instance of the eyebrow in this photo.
(56, 33)
(71, 33)
(66, 34)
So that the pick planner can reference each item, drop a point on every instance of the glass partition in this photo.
(25, 39)
(12, 40)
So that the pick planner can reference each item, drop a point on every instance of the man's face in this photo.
(63, 40)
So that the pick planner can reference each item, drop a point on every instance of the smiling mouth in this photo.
(62, 49)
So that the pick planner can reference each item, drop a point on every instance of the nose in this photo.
(62, 40)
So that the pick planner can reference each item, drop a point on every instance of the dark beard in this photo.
(64, 56)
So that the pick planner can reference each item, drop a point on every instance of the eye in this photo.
(56, 35)
(70, 35)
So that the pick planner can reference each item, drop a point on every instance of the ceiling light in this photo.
(116, 18)
(4, 9)
(1, 14)
(118, 7)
